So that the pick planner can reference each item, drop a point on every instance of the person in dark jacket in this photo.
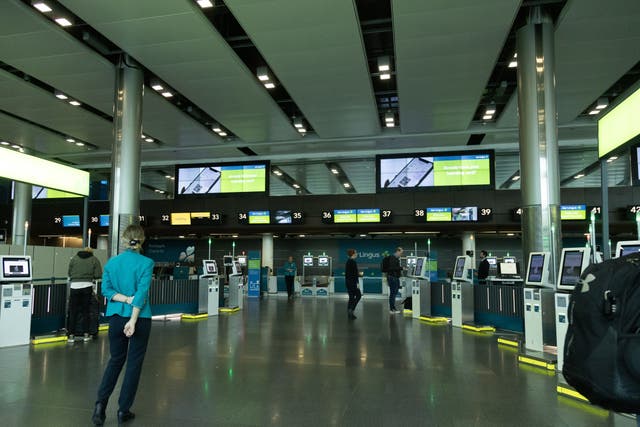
(290, 271)
(351, 276)
(483, 268)
(394, 271)
(84, 268)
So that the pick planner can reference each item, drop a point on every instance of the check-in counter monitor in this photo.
(15, 300)
(462, 268)
(572, 263)
(627, 248)
(538, 269)
(242, 259)
(15, 269)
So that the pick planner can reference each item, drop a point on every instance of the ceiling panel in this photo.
(328, 77)
(597, 42)
(361, 173)
(37, 105)
(445, 53)
(30, 136)
(193, 58)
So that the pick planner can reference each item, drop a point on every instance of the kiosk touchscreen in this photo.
(227, 260)
(307, 261)
(242, 259)
(237, 268)
(209, 267)
(510, 259)
(538, 269)
(508, 270)
(627, 247)
(15, 269)
(461, 268)
(493, 266)
(418, 271)
(572, 263)
(323, 261)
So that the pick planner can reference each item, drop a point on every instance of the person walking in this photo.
(351, 276)
(290, 271)
(125, 285)
(84, 268)
(394, 270)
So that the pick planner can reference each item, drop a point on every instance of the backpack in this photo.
(384, 267)
(602, 346)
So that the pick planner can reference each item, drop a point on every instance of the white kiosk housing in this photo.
(15, 300)
(209, 289)
(539, 306)
(462, 292)
(420, 289)
(627, 247)
(572, 263)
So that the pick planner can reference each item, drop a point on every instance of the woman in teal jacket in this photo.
(125, 285)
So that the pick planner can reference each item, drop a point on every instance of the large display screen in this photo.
(259, 217)
(620, 125)
(287, 217)
(573, 212)
(426, 170)
(345, 216)
(222, 178)
(438, 214)
(368, 215)
(571, 268)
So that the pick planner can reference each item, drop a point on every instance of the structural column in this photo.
(21, 212)
(469, 244)
(267, 250)
(125, 161)
(539, 170)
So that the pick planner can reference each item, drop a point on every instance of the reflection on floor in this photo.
(297, 363)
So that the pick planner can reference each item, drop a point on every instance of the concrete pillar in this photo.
(125, 161)
(267, 250)
(469, 244)
(604, 212)
(21, 213)
(539, 169)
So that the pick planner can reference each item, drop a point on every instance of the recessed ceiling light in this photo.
(168, 176)
(515, 178)
(4, 143)
(222, 134)
(75, 103)
(580, 175)
(157, 87)
(235, 236)
(15, 146)
(70, 140)
(63, 22)
(303, 235)
(594, 112)
(390, 125)
(60, 95)
(346, 185)
(389, 117)
(263, 77)
(335, 171)
(80, 144)
(384, 64)
(41, 6)
(602, 103)
(363, 235)
(269, 85)
(296, 186)
(277, 172)
(511, 234)
(385, 76)
(149, 139)
(491, 110)
(611, 159)
(513, 64)
(204, 4)
(487, 117)
(298, 125)
(167, 94)
(216, 129)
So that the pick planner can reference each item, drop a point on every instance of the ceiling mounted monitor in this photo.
(222, 178)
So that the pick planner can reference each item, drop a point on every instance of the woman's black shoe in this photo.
(124, 416)
(99, 414)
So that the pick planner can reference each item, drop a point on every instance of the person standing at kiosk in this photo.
(483, 268)
(351, 276)
(290, 271)
(125, 285)
(394, 270)
(84, 268)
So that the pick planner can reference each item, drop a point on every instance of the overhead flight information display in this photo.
(222, 178)
(423, 171)
(357, 216)
(191, 218)
(453, 214)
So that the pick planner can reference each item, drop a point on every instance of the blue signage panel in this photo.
(254, 263)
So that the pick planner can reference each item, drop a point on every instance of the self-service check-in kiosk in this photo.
(572, 263)
(462, 292)
(236, 286)
(421, 289)
(539, 306)
(209, 289)
(15, 300)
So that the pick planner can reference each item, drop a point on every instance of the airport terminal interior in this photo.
(496, 142)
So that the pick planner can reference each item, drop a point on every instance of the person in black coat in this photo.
(351, 276)
(483, 268)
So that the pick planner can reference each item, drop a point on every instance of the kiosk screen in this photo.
(307, 261)
(242, 260)
(536, 267)
(508, 269)
(323, 261)
(458, 271)
(419, 266)
(628, 250)
(209, 266)
(16, 268)
(571, 268)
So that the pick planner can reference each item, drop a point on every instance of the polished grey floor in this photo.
(297, 364)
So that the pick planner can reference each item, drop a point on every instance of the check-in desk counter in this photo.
(500, 303)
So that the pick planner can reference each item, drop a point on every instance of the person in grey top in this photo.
(84, 268)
